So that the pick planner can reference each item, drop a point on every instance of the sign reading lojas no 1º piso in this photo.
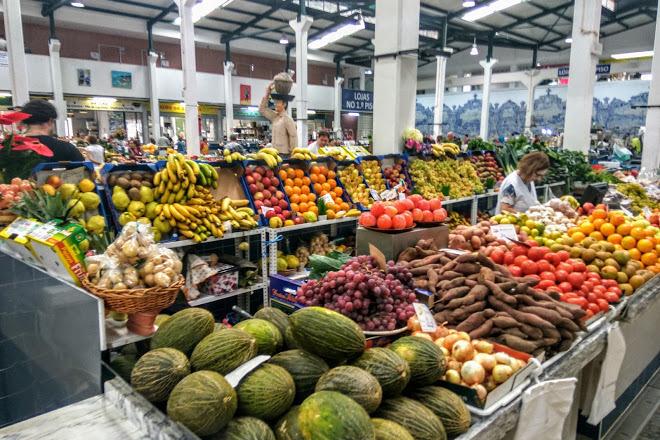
(357, 100)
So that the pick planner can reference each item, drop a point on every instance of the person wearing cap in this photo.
(285, 135)
(40, 125)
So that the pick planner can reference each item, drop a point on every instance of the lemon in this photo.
(86, 186)
(77, 208)
(90, 200)
(95, 224)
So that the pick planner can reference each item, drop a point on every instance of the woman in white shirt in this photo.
(517, 192)
(95, 152)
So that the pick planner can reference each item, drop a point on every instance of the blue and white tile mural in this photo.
(612, 109)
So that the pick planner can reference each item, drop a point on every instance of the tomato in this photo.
(508, 258)
(611, 297)
(529, 267)
(533, 276)
(581, 293)
(515, 271)
(566, 287)
(565, 267)
(520, 259)
(609, 283)
(600, 289)
(589, 285)
(549, 256)
(579, 302)
(603, 305)
(588, 315)
(545, 284)
(497, 256)
(592, 297)
(532, 243)
(594, 308)
(535, 253)
(548, 276)
(545, 266)
(561, 275)
(519, 250)
(576, 279)
(563, 255)
(563, 297)
(615, 290)
(570, 295)
(579, 266)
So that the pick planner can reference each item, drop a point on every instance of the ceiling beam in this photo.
(254, 21)
(162, 14)
(52, 6)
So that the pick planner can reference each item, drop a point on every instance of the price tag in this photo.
(402, 196)
(227, 225)
(647, 212)
(388, 194)
(374, 194)
(327, 198)
(426, 321)
(396, 187)
(628, 213)
(504, 231)
(266, 209)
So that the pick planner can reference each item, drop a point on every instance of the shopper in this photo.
(134, 149)
(233, 146)
(285, 135)
(40, 125)
(181, 145)
(95, 152)
(518, 193)
(204, 146)
(321, 142)
(466, 139)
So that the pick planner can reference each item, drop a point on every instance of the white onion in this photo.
(486, 360)
(501, 373)
(484, 347)
(462, 351)
(502, 358)
(472, 372)
(481, 391)
(453, 376)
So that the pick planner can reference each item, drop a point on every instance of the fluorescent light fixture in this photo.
(368, 72)
(491, 8)
(99, 100)
(253, 109)
(83, 112)
(353, 114)
(339, 33)
(204, 8)
(646, 77)
(474, 50)
(623, 56)
(569, 39)
(311, 112)
(469, 3)
(78, 4)
(5, 94)
(284, 39)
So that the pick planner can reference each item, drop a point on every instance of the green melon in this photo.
(304, 367)
(275, 316)
(224, 351)
(266, 393)
(123, 366)
(287, 427)
(449, 407)
(355, 383)
(269, 338)
(184, 330)
(160, 319)
(327, 333)
(203, 402)
(245, 428)
(290, 340)
(420, 421)
(391, 370)
(389, 430)
(219, 326)
(157, 373)
(329, 415)
(426, 360)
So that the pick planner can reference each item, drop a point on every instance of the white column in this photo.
(229, 98)
(220, 124)
(152, 58)
(56, 80)
(531, 89)
(585, 50)
(485, 99)
(145, 127)
(438, 108)
(103, 122)
(336, 124)
(289, 108)
(189, 75)
(395, 79)
(363, 79)
(18, 77)
(301, 29)
(650, 154)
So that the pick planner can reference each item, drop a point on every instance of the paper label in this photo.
(266, 209)
(374, 194)
(227, 225)
(378, 255)
(402, 196)
(426, 321)
(628, 213)
(504, 231)
(388, 194)
(327, 199)
(647, 212)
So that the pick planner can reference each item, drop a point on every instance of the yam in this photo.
(432, 259)
(427, 243)
(470, 283)
(566, 334)
(522, 317)
(503, 270)
(489, 313)
(507, 286)
(480, 292)
(551, 316)
(504, 321)
(568, 325)
(553, 334)
(482, 331)
(485, 261)
(441, 316)
(576, 312)
(500, 295)
(423, 253)
(407, 255)
(528, 280)
(517, 343)
(421, 284)
(471, 323)
(463, 313)
(485, 274)
(467, 268)
(433, 279)
(466, 258)
(460, 302)
(565, 345)
(456, 292)
(449, 274)
(554, 294)
(515, 331)
(421, 270)
(444, 260)
(450, 284)
(531, 331)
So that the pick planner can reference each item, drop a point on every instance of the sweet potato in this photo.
(489, 313)
(503, 320)
(480, 292)
(463, 313)
(460, 302)
(565, 345)
(407, 255)
(423, 253)
(568, 325)
(450, 284)
(527, 280)
(517, 343)
(507, 286)
(531, 331)
(421, 284)
(515, 331)
(551, 316)
(503, 270)
(541, 296)
(485, 274)
(451, 266)
(456, 292)
(482, 331)
(470, 283)
(441, 315)
(432, 259)
(554, 294)
(427, 243)
(467, 268)
(466, 258)
(471, 323)
(527, 318)
(485, 261)
(576, 312)
(449, 274)
(420, 270)
(500, 295)
(444, 260)
(553, 334)
(566, 334)
(433, 279)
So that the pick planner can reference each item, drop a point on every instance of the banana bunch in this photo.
(238, 213)
(571, 201)
(455, 219)
(268, 155)
(437, 150)
(175, 183)
(337, 154)
(450, 147)
(232, 157)
(303, 154)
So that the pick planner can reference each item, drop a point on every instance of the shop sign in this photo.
(601, 69)
(103, 104)
(246, 94)
(357, 100)
(177, 107)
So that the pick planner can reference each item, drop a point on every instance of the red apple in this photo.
(299, 220)
(277, 209)
(273, 200)
(257, 177)
(248, 171)
(249, 180)
(270, 214)
(269, 173)
(253, 189)
(279, 195)
(268, 204)
(283, 204)
(286, 213)
(266, 194)
(258, 196)
(281, 217)
(258, 204)
(260, 186)
(272, 189)
(266, 181)
(260, 170)
(274, 181)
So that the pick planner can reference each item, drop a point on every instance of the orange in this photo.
(649, 258)
(344, 206)
(617, 247)
(304, 207)
(322, 193)
(332, 175)
(638, 233)
(657, 248)
(322, 178)
(614, 238)
(599, 213)
(330, 213)
(318, 188)
(597, 235)
(635, 254)
(332, 183)
(628, 243)
(314, 170)
(283, 175)
(303, 198)
(314, 209)
(305, 189)
(311, 197)
(645, 245)
(578, 237)
(617, 219)
(338, 191)
(572, 231)
(288, 190)
(306, 181)
(324, 171)
(314, 178)
(294, 198)
(624, 229)
(607, 229)
(598, 223)
(332, 206)
(289, 182)
(291, 172)
(654, 268)
(586, 228)
(294, 207)
(300, 173)
(338, 201)
(326, 187)
(297, 182)
(296, 190)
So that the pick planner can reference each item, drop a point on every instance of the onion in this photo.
(484, 347)
(453, 364)
(423, 335)
(450, 340)
(445, 352)
(462, 351)
(490, 384)
(453, 376)
(486, 360)
(502, 358)
(481, 391)
(439, 342)
(464, 336)
(440, 332)
(413, 324)
(501, 373)
(472, 372)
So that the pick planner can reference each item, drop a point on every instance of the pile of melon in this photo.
(320, 382)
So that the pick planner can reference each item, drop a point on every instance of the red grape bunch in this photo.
(378, 300)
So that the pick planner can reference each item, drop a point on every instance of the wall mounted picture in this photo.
(122, 80)
(246, 94)
(84, 78)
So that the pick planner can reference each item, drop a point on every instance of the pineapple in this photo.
(44, 207)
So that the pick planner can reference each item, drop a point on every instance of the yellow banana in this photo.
(172, 221)
(193, 165)
(176, 187)
(176, 214)
(187, 233)
(247, 210)
(179, 196)
(238, 203)
(182, 226)
(164, 176)
(225, 203)
(157, 179)
(170, 199)
(270, 151)
(166, 211)
(189, 172)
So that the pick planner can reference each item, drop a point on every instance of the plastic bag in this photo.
(621, 154)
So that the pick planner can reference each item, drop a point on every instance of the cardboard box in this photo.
(58, 249)
(391, 245)
(283, 293)
(355, 151)
(14, 239)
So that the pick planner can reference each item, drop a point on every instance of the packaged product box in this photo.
(283, 293)
(14, 239)
(392, 244)
(226, 280)
(58, 249)
(355, 151)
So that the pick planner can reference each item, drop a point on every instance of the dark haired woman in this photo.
(518, 193)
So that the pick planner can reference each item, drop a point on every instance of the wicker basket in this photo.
(137, 300)
(283, 83)
(6, 217)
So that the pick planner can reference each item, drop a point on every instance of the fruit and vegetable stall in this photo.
(432, 327)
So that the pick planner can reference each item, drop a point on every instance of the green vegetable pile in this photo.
(320, 265)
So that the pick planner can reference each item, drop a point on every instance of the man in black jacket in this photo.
(40, 125)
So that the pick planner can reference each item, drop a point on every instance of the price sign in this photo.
(426, 321)
(504, 231)
(327, 199)
(628, 213)
(402, 196)
(647, 212)
(374, 194)
(266, 209)
(388, 194)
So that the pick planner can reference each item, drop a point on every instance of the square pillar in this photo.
(152, 58)
(229, 98)
(18, 76)
(438, 107)
(650, 154)
(301, 29)
(485, 98)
